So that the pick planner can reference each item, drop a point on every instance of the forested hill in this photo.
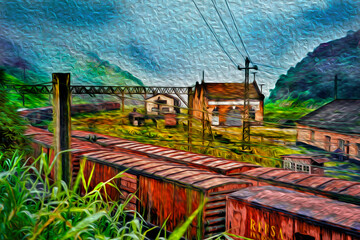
(86, 68)
(313, 77)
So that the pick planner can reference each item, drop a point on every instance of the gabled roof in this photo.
(176, 100)
(339, 116)
(227, 91)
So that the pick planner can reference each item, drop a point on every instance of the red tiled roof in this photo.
(217, 91)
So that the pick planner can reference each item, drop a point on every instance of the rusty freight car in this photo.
(42, 142)
(339, 189)
(210, 163)
(167, 192)
(264, 213)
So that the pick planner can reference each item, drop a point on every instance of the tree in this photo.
(12, 126)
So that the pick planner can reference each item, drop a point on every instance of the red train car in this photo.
(338, 189)
(279, 214)
(167, 192)
(214, 164)
(42, 142)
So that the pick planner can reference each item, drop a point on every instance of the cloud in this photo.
(69, 12)
(144, 57)
(336, 12)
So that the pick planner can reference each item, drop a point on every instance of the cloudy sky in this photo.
(167, 43)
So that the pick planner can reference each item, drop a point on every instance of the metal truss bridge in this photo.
(92, 90)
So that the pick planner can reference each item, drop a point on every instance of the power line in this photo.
(226, 28)
(214, 34)
(237, 30)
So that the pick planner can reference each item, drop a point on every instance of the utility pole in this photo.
(190, 113)
(62, 126)
(246, 123)
(203, 111)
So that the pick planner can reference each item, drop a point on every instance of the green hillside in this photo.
(313, 77)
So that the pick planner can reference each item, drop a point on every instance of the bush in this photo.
(12, 126)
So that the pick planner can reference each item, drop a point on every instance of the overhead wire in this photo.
(237, 30)
(226, 28)
(215, 36)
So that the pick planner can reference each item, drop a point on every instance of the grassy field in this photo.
(267, 144)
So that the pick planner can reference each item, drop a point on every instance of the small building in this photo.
(308, 163)
(333, 127)
(224, 103)
(136, 118)
(160, 104)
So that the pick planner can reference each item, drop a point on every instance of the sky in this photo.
(167, 43)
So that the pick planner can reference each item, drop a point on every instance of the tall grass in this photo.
(32, 207)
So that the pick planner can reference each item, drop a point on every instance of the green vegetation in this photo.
(12, 126)
(31, 101)
(267, 144)
(286, 112)
(31, 207)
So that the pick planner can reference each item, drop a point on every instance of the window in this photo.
(154, 109)
(215, 117)
(342, 144)
(358, 149)
(292, 166)
(299, 167)
(166, 109)
(327, 143)
(252, 113)
(312, 135)
(287, 165)
(306, 169)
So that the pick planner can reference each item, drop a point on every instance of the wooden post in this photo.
(203, 127)
(62, 125)
(122, 101)
(190, 113)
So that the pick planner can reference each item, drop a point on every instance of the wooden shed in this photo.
(167, 191)
(308, 163)
(279, 214)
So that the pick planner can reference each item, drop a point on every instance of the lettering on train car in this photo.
(259, 231)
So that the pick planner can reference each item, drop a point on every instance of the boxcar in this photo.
(166, 191)
(214, 164)
(42, 142)
(339, 189)
(269, 212)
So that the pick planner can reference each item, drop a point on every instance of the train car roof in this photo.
(328, 211)
(214, 163)
(46, 138)
(317, 182)
(159, 169)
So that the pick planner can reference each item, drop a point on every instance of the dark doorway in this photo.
(234, 117)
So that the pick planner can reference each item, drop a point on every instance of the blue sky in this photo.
(167, 43)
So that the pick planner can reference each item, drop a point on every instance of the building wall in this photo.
(317, 137)
(170, 102)
(224, 106)
(225, 109)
